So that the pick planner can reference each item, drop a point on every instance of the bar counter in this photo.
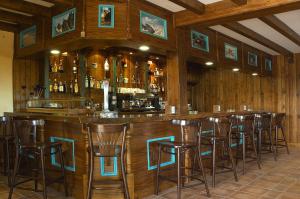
(145, 130)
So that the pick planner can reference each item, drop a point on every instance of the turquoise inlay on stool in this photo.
(53, 156)
(115, 168)
(163, 164)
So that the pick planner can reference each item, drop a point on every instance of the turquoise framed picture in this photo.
(153, 25)
(28, 37)
(106, 16)
(64, 22)
(199, 41)
(231, 52)
(268, 64)
(252, 59)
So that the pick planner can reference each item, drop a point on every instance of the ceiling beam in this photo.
(281, 27)
(8, 27)
(193, 5)
(15, 18)
(240, 2)
(61, 2)
(26, 7)
(239, 28)
(224, 11)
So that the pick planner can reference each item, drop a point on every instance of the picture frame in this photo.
(106, 16)
(64, 22)
(200, 41)
(252, 59)
(28, 37)
(231, 52)
(153, 25)
(268, 65)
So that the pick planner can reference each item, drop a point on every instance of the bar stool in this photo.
(30, 145)
(6, 139)
(263, 126)
(277, 124)
(106, 140)
(219, 139)
(243, 128)
(189, 143)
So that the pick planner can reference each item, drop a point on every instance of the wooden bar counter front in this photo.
(141, 154)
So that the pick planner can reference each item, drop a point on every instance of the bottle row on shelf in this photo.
(64, 87)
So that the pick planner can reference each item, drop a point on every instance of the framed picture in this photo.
(231, 52)
(268, 65)
(200, 41)
(64, 22)
(28, 37)
(153, 25)
(106, 16)
(252, 59)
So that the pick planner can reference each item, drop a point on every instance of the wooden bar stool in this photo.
(180, 148)
(106, 141)
(30, 145)
(243, 130)
(6, 139)
(263, 126)
(216, 134)
(278, 124)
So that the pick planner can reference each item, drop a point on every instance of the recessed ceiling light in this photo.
(65, 53)
(150, 62)
(131, 53)
(235, 69)
(54, 52)
(144, 48)
(157, 58)
(254, 74)
(209, 63)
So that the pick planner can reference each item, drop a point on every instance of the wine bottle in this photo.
(71, 87)
(86, 81)
(55, 86)
(76, 87)
(60, 87)
(50, 86)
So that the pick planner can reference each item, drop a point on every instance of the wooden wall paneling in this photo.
(225, 62)
(135, 7)
(297, 62)
(120, 30)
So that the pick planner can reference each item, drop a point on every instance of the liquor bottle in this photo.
(55, 86)
(54, 67)
(86, 81)
(71, 87)
(75, 64)
(60, 87)
(61, 66)
(76, 87)
(65, 87)
(50, 86)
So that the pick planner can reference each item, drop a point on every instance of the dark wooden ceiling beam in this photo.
(240, 2)
(8, 27)
(68, 3)
(224, 11)
(15, 18)
(192, 5)
(239, 28)
(281, 27)
(26, 7)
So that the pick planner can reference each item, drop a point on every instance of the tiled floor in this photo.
(280, 180)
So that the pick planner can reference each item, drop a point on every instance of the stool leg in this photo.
(200, 164)
(62, 166)
(43, 173)
(179, 184)
(7, 159)
(91, 175)
(16, 168)
(286, 144)
(124, 177)
(259, 145)
(276, 142)
(214, 163)
(255, 150)
(271, 144)
(244, 152)
(36, 173)
(232, 160)
(158, 170)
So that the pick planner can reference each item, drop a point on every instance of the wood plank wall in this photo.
(279, 92)
(27, 73)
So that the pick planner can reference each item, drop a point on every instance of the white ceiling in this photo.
(41, 3)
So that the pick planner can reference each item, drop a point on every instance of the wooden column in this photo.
(177, 77)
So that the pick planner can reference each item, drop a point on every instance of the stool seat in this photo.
(107, 151)
(40, 145)
(177, 144)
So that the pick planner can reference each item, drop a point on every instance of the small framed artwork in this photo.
(28, 37)
(252, 59)
(64, 22)
(106, 16)
(153, 25)
(268, 65)
(231, 52)
(200, 41)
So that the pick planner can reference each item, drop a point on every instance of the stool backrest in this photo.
(189, 130)
(207, 126)
(223, 127)
(243, 123)
(263, 121)
(27, 131)
(278, 119)
(3, 126)
(107, 139)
